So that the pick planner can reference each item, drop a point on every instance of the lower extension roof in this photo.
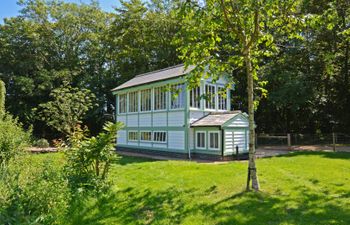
(217, 119)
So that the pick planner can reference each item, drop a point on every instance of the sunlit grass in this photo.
(301, 188)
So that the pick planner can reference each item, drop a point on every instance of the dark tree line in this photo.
(51, 44)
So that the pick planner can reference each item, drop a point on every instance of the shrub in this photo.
(42, 143)
(32, 194)
(89, 158)
(13, 139)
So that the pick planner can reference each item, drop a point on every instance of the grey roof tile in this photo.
(158, 75)
(215, 119)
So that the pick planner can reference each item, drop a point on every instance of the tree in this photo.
(2, 99)
(221, 36)
(66, 109)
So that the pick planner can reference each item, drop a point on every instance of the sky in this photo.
(9, 8)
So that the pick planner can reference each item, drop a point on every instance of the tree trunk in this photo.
(252, 173)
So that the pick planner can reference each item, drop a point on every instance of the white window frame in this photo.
(209, 141)
(180, 98)
(126, 103)
(137, 135)
(146, 131)
(205, 139)
(212, 96)
(193, 98)
(137, 101)
(158, 131)
(142, 99)
(160, 97)
(222, 99)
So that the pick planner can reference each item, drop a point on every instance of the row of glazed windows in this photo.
(158, 136)
(213, 140)
(177, 99)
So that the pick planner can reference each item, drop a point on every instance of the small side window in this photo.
(200, 139)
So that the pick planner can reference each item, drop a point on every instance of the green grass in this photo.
(300, 188)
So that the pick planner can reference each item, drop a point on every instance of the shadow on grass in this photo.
(125, 160)
(332, 155)
(171, 206)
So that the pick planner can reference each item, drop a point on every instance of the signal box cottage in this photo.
(162, 116)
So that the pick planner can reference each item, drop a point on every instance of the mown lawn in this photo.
(301, 188)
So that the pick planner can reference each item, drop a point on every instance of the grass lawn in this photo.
(301, 188)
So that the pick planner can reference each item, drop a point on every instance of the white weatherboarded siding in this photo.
(191, 133)
(159, 119)
(239, 140)
(195, 115)
(176, 119)
(145, 120)
(121, 137)
(145, 144)
(159, 145)
(121, 119)
(132, 121)
(132, 143)
(176, 139)
(236, 138)
(239, 121)
(229, 141)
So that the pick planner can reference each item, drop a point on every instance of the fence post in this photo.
(289, 141)
(334, 141)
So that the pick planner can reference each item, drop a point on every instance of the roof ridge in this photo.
(160, 70)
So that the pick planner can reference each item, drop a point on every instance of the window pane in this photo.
(210, 96)
(222, 98)
(133, 101)
(160, 94)
(122, 103)
(146, 100)
(214, 140)
(195, 97)
(177, 96)
(146, 136)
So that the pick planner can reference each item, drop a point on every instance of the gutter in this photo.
(222, 143)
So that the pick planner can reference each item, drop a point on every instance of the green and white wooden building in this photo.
(162, 116)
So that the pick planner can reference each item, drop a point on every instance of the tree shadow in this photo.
(125, 160)
(172, 206)
(131, 206)
(332, 155)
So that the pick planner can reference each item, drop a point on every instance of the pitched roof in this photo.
(158, 75)
(215, 119)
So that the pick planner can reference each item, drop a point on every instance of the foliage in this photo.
(89, 159)
(33, 194)
(2, 99)
(42, 143)
(67, 108)
(296, 190)
(13, 139)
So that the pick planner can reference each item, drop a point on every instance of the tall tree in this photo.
(219, 36)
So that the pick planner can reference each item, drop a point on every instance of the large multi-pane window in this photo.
(177, 96)
(200, 139)
(146, 136)
(146, 100)
(133, 136)
(160, 94)
(133, 101)
(122, 103)
(214, 140)
(222, 98)
(195, 98)
(159, 136)
(210, 96)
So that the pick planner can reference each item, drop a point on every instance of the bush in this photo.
(89, 158)
(13, 139)
(32, 194)
(42, 143)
